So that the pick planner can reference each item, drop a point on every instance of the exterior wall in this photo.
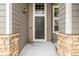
(53, 36)
(49, 22)
(2, 18)
(75, 18)
(19, 22)
(62, 18)
(61, 21)
(31, 22)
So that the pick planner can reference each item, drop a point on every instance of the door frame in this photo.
(45, 23)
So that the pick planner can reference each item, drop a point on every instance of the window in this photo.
(56, 12)
(55, 19)
(39, 8)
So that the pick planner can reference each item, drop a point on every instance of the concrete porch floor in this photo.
(39, 49)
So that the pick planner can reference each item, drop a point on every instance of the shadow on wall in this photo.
(54, 38)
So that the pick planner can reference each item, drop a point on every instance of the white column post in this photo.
(8, 19)
(68, 19)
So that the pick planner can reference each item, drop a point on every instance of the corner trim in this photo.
(68, 19)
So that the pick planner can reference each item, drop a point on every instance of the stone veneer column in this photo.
(9, 42)
(67, 44)
(9, 45)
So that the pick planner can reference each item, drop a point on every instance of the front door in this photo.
(39, 22)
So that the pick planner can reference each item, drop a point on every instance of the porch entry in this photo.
(39, 22)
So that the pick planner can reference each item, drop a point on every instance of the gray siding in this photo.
(75, 18)
(30, 22)
(62, 18)
(49, 32)
(2, 18)
(20, 22)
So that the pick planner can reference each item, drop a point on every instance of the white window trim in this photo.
(34, 23)
(54, 18)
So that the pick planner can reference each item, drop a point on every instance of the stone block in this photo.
(67, 44)
(9, 45)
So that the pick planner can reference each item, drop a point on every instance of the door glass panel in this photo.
(39, 27)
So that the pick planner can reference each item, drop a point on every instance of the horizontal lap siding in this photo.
(62, 18)
(19, 22)
(2, 18)
(75, 18)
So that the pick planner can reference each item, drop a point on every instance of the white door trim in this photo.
(34, 23)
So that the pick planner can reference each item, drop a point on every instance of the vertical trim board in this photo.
(68, 19)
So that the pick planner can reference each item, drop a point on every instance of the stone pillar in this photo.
(68, 44)
(9, 45)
